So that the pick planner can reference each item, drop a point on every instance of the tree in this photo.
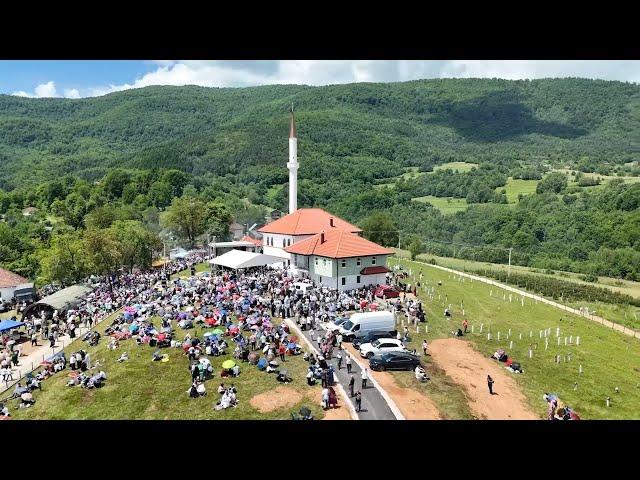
(137, 244)
(186, 217)
(415, 248)
(380, 228)
(104, 251)
(555, 182)
(115, 182)
(66, 261)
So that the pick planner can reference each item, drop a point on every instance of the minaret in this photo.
(293, 166)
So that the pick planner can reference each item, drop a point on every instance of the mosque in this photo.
(320, 246)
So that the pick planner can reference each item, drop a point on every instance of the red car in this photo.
(386, 291)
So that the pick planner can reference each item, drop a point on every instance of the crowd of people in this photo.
(245, 313)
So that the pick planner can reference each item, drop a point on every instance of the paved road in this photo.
(374, 406)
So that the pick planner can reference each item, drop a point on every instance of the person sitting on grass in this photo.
(26, 400)
(420, 374)
(222, 389)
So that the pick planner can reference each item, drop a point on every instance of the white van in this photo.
(361, 323)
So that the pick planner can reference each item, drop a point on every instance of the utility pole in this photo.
(509, 267)
(164, 257)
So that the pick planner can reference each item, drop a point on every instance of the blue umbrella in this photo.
(262, 363)
(292, 346)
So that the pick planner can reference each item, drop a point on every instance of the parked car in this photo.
(335, 325)
(394, 361)
(386, 291)
(372, 336)
(381, 345)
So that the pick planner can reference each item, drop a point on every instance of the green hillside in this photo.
(149, 145)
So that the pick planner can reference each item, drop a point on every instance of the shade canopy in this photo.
(240, 259)
(9, 324)
(62, 300)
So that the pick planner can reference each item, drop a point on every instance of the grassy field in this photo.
(457, 166)
(623, 286)
(142, 389)
(609, 359)
(447, 205)
(515, 187)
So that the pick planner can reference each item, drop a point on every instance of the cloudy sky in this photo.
(76, 79)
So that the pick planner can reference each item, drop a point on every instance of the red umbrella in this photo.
(234, 328)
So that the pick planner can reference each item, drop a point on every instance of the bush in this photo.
(589, 278)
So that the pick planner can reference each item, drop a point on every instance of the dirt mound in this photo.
(469, 368)
(280, 397)
(413, 405)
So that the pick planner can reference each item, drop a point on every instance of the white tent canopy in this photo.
(240, 259)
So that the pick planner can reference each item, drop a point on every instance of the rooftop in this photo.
(338, 244)
(307, 221)
(10, 279)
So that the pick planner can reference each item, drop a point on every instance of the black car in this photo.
(371, 337)
(394, 361)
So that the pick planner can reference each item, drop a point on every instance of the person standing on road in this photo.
(358, 401)
(34, 339)
(352, 382)
(490, 384)
(348, 362)
(339, 357)
(365, 377)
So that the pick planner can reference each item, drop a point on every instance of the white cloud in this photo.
(71, 93)
(242, 73)
(48, 90)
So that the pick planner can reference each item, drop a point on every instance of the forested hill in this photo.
(387, 126)
(546, 167)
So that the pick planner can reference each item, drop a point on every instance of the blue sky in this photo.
(82, 78)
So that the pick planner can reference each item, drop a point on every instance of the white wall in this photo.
(351, 283)
(7, 293)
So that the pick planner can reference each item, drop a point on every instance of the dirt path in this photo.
(275, 399)
(413, 405)
(341, 412)
(469, 368)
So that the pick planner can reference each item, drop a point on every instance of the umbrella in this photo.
(133, 328)
(253, 356)
(189, 309)
(207, 334)
(262, 363)
(291, 346)
(210, 321)
(234, 329)
(305, 412)
(205, 361)
(273, 363)
(46, 362)
(255, 327)
(294, 338)
(217, 331)
(228, 364)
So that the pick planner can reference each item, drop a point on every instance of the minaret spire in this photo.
(292, 165)
(292, 131)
